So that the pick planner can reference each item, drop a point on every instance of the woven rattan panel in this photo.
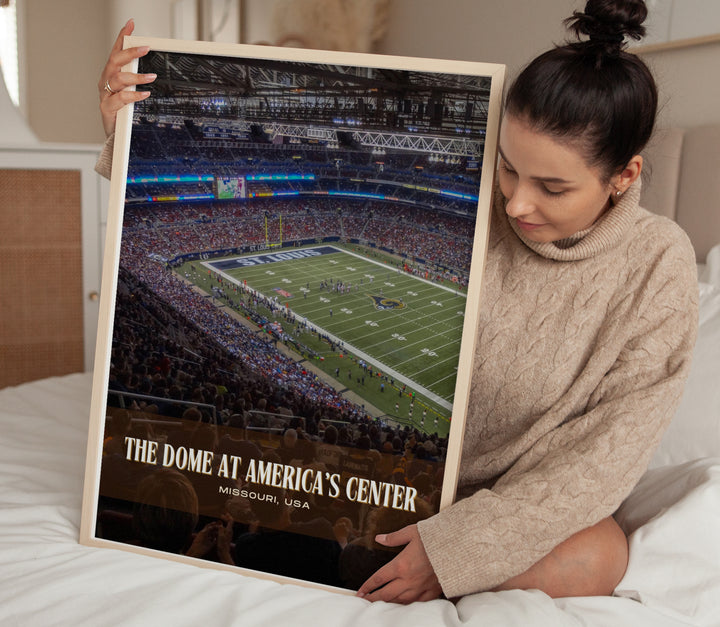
(41, 299)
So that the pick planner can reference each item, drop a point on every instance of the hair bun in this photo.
(608, 22)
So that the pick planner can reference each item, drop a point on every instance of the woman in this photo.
(588, 320)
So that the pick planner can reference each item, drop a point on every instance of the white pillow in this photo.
(710, 271)
(695, 429)
(673, 516)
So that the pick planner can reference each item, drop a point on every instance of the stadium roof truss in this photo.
(378, 107)
(421, 143)
(444, 146)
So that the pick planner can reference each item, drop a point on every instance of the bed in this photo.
(672, 517)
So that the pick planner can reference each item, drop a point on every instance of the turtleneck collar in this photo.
(605, 234)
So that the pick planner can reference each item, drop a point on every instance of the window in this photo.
(9, 49)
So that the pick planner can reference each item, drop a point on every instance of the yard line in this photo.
(317, 271)
(427, 312)
(422, 356)
(421, 342)
(436, 365)
(400, 273)
(422, 331)
(368, 358)
(452, 375)
(384, 368)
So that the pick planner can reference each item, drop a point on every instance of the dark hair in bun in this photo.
(592, 91)
(607, 23)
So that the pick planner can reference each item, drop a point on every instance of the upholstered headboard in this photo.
(683, 182)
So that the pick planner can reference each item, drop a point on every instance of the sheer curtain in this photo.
(9, 49)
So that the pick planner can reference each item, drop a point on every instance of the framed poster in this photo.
(291, 284)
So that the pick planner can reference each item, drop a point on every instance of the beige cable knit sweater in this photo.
(583, 349)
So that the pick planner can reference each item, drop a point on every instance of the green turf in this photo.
(419, 339)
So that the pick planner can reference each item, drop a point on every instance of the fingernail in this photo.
(150, 77)
(380, 538)
(144, 49)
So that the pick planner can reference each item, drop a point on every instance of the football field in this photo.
(400, 324)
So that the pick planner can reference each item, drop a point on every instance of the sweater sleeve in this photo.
(578, 473)
(104, 163)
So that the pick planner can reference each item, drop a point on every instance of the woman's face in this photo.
(551, 193)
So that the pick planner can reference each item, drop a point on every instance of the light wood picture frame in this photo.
(291, 286)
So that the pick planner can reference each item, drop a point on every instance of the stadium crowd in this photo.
(174, 229)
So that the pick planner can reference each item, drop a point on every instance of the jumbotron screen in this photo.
(230, 187)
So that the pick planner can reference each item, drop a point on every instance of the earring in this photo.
(618, 193)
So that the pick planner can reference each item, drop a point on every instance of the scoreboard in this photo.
(230, 187)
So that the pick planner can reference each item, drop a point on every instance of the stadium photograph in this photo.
(294, 264)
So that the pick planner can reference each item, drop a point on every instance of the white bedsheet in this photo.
(47, 578)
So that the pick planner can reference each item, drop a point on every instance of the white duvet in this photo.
(47, 578)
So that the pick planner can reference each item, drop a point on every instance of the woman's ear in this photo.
(628, 175)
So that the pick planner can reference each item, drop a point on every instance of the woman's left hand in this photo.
(407, 578)
(113, 81)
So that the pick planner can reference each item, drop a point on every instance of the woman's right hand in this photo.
(113, 81)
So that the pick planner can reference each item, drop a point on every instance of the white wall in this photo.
(67, 44)
(495, 31)
(65, 47)
(258, 21)
(514, 31)
(670, 20)
(155, 18)
(152, 17)
(688, 82)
